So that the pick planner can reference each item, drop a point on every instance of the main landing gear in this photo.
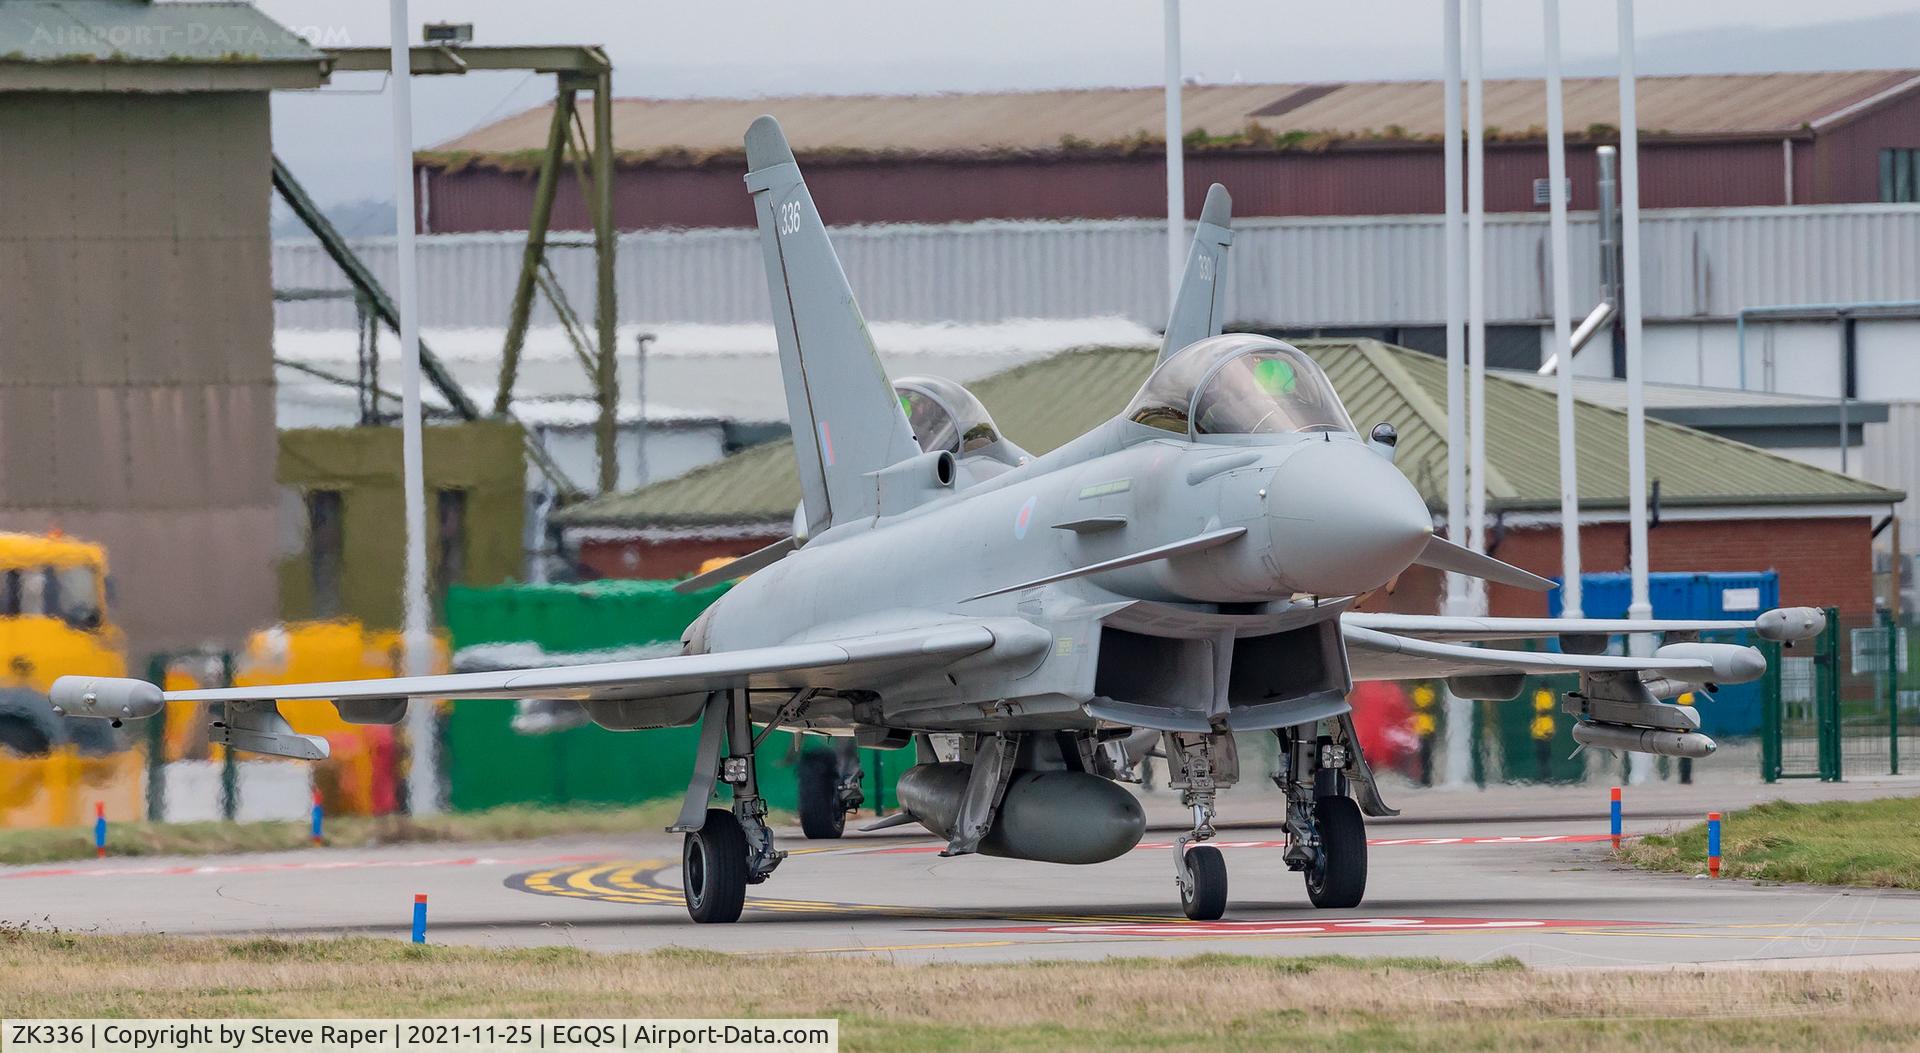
(829, 785)
(724, 850)
(1326, 837)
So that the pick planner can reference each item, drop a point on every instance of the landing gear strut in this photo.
(1326, 837)
(728, 850)
(1203, 763)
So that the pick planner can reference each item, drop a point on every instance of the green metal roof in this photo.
(1043, 404)
(136, 31)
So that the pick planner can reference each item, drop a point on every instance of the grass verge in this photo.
(514, 823)
(1867, 844)
(1208, 1001)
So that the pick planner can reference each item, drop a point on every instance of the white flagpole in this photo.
(1458, 586)
(1641, 605)
(423, 773)
(1176, 159)
(1458, 745)
(1562, 319)
(1476, 300)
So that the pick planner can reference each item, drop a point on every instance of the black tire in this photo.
(28, 725)
(713, 869)
(822, 815)
(1339, 877)
(1205, 898)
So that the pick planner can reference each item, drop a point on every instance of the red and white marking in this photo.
(1345, 927)
(1378, 842)
(191, 870)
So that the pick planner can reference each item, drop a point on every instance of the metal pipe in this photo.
(1476, 295)
(1562, 320)
(606, 308)
(1640, 605)
(1599, 318)
(1176, 160)
(1607, 185)
(1458, 585)
(423, 774)
(1848, 349)
(1786, 171)
(1805, 312)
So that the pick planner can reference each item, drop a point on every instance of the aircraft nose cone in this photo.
(1344, 520)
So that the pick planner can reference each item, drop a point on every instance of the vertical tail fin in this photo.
(847, 423)
(1199, 308)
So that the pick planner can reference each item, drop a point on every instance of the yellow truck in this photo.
(53, 621)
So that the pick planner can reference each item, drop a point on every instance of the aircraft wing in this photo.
(1376, 655)
(1783, 624)
(851, 661)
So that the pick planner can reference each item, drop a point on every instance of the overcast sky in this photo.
(336, 138)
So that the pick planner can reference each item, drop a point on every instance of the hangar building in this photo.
(1344, 149)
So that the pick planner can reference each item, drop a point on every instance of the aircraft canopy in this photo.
(1239, 384)
(945, 416)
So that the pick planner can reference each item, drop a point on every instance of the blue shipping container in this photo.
(1726, 594)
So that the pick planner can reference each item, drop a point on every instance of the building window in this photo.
(326, 546)
(1900, 174)
(450, 541)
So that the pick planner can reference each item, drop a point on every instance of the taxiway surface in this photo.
(1472, 878)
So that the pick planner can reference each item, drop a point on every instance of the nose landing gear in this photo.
(1203, 763)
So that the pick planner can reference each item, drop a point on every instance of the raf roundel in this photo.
(1024, 518)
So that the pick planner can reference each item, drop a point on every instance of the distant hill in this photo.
(355, 219)
(1881, 42)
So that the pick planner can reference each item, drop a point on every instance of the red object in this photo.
(1383, 717)
(99, 809)
(419, 897)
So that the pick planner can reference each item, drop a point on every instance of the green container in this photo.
(489, 764)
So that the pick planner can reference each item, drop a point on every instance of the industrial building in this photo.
(1723, 506)
(1346, 149)
(1713, 280)
(136, 373)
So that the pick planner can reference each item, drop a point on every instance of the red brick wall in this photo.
(664, 559)
(1821, 562)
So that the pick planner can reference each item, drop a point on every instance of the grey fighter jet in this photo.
(1182, 573)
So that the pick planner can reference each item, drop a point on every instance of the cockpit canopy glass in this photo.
(945, 416)
(1239, 384)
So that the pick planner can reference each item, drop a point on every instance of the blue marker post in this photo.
(1713, 844)
(1616, 819)
(100, 829)
(420, 918)
(318, 815)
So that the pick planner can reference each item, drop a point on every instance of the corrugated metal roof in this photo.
(123, 32)
(1733, 105)
(1043, 404)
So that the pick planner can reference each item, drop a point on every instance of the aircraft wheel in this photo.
(1338, 878)
(823, 816)
(1205, 897)
(713, 868)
